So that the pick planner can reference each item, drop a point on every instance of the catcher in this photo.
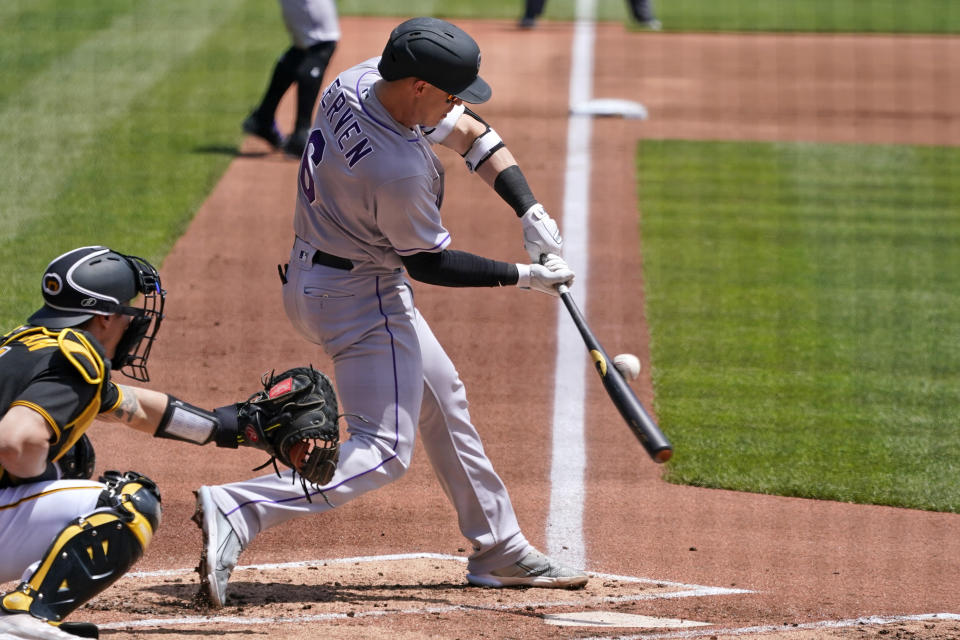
(55, 380)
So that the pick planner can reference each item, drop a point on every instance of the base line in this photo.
(788, 628)
(564, 532)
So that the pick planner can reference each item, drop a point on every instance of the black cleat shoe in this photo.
(268, 132)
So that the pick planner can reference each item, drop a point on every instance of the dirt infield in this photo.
(745, 565)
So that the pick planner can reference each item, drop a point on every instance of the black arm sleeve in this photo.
(511, 185)
(450, 268)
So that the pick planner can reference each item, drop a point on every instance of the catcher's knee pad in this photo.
(91, 552)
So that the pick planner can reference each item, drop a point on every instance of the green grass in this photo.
(869, 16)
(877, 16)
(804, 307)
(119, 117)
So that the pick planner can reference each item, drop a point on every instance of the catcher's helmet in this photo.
(440, 53)
(97, 281)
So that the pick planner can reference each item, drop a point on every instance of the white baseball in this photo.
(628, 365)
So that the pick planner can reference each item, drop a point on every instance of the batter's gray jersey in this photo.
(311, 21)
(370, 188)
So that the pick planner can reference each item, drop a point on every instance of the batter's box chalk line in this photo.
(610, 108)
(681, 590)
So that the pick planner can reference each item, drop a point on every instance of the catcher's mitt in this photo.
(294, 419)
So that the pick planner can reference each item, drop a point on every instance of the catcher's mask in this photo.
(98, 281)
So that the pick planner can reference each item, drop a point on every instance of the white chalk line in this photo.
(565, 540)
(684, 591)
(419, 611)
(304, 564)
(786, 628)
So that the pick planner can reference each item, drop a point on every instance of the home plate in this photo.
(611, 108)
(614, 619)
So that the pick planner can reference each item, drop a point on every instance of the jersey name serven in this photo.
(332, 104)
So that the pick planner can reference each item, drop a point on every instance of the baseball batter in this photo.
(367, 218)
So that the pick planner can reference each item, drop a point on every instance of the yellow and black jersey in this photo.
(63, 374)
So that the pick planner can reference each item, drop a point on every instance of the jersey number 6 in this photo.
(311, 158)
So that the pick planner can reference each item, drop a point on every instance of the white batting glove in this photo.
(545, 277)
(540, 233)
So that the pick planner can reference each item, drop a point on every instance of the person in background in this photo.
(641, 10)
(315, 30)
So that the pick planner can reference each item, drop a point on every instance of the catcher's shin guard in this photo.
(92, 552)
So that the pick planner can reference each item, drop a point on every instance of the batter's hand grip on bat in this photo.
(623, 397)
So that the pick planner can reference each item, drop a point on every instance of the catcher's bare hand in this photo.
(315, 460)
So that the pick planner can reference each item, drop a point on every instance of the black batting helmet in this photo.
(441, 53)
(98, 281)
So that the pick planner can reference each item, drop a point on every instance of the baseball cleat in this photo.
(221, 549)
(533, 570)
(266, 131)
(24, 626)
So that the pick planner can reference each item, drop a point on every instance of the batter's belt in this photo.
(332, 261)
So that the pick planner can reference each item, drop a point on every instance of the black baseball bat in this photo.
(623, 397)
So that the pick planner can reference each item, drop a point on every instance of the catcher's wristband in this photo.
(228, 429)
(187, 423)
